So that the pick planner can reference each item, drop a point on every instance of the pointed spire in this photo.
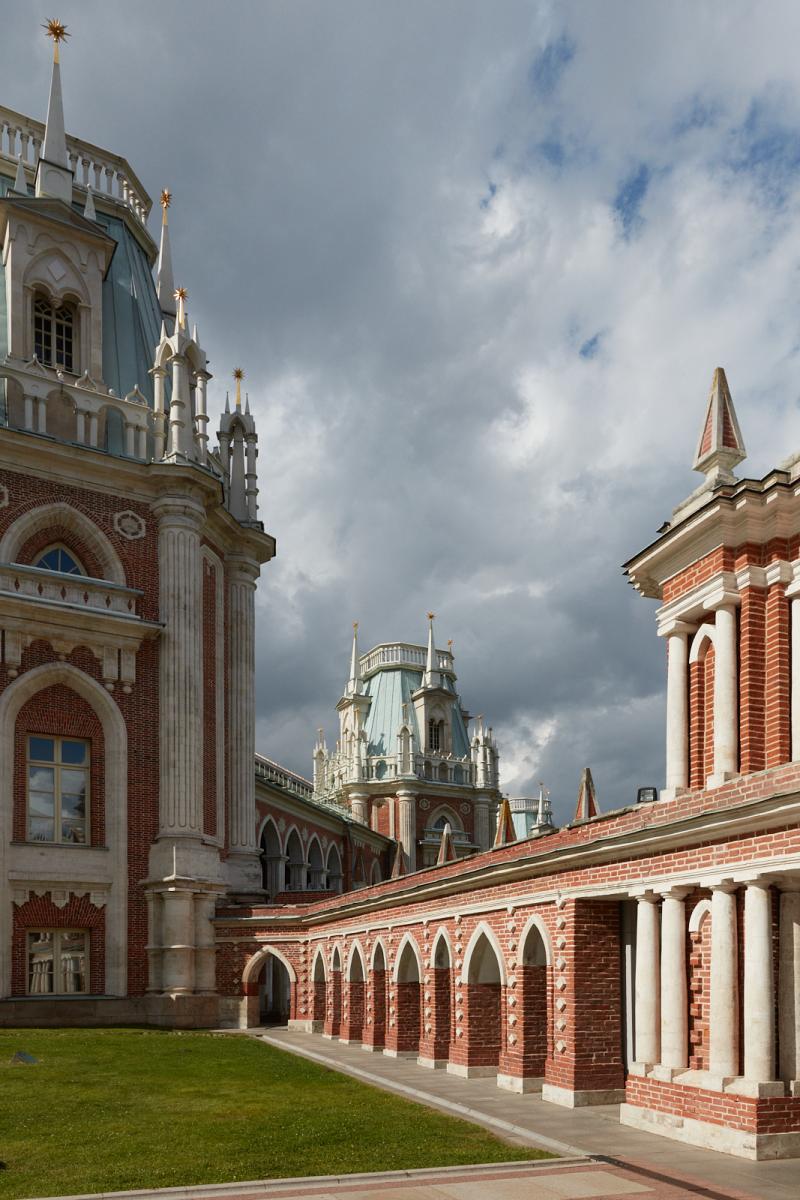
(721, 445)
(542, 807)
(587, 805)
(227, 402)
(355, 681)
(399, 863)
(20, 182)
(165, 281)
(89, 209)
(447, 850)
(431, 676)
(506, 833)
(53, 174)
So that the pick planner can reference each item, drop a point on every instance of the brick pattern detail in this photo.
(333, 1017)
(375, 1030)
(699, 983)
(697, 716)
(777, 673)
(39, 912)
(353, 1012)
(405, 1023)
(58, 712)
(752, 634)
(778, 1114)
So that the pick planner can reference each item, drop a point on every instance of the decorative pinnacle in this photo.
(181, 295)
(166, 200)
(238, 375)
(431, 616)
(56, 30)
(355, 626)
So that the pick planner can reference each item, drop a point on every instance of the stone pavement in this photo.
(527, 1120)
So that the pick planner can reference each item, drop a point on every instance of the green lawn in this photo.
(111, 1109)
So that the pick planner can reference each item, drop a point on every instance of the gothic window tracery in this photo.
(58, 558)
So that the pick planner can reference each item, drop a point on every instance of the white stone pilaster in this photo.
(674, 988)
(244, 870)
(724, 1015)
(407, 821)
(647, 988)
(677, 774)
(205, 942)
(793, 593)
(726, 715)
(359, 802)
(483, 824)
(178, 950)
(759, 997)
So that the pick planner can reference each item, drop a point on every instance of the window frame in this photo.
(58, 766)
(64, 550)
(56, 935)
(54, 333)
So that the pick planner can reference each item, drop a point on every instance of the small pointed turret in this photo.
(399, 863)
(431, 676)
(506, 833)
(721, 445)
(89, 211)
(53, 174)
(355, 681)
(165, 282)
(447, 850)
(587, 805)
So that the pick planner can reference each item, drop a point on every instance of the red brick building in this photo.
(649, 955)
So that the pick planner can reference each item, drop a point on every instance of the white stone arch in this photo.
(379, 942)
(48, 515)
(703, 638)
(536, 922)
(449, 813)
(319, 957)
(442, 935)
(82, 870)
(253, 965)
(334, 853)
(486, 931)
(698, 914)
(269, 820)
(407, 940)
(354, 952)
(293, 829)
(39, 278)
(337, 948)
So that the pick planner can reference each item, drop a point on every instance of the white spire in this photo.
(431, 676)
(165, 282)
(354, 683)
(53, 174)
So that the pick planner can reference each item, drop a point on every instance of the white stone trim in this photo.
(483, 929)
(742, 1143)
(74, 865)
(536, 922)
(442, 935)
(208, 555)
(407, 940)
(355, 949)
(378, 942)
(701, 909)
(700, 642)
(48, 515)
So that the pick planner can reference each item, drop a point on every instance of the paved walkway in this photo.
(527, 1120)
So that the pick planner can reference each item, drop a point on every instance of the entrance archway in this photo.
(270, 986)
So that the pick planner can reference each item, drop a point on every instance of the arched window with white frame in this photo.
(55, 333)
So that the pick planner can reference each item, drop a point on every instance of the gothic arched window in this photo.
(57, 558)
(54, 333)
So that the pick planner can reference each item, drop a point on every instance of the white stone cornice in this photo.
(779, 571)
(694, 604)
(725, 595)
(672, 626)
(751, 576)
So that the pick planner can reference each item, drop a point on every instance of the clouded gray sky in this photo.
(479, 261)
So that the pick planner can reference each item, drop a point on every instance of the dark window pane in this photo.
(41, 749)
(73, 752)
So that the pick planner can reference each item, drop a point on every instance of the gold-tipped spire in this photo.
(181, 295)
(165, 201)
(56, 30)
(238, 375)
(355, 626)
(431, 616)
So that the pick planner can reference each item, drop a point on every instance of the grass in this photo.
(113, 1109)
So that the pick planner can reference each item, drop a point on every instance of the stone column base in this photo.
(304, 1025)
(521, 1084)
(742, 1143)
(475, 1072)
(569, 1098)
(391, 1053)
(433, 1064)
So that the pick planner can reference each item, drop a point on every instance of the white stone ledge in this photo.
(580, 1099)
(742, 1143)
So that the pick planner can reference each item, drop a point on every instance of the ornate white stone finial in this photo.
(721, 445)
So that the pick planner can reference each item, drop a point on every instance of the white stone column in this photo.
(759, 994)
(483, 824)
(726, 714)
(648, 987)
(205, 942)
(789, 983)
(724, 1017)
(677, 774)
(359, 806)
(407, 832)
(159, 376)
(674, 993)
(243, 865)
(180, 666)
(177, 955)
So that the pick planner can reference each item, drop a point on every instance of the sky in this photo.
(479, 262)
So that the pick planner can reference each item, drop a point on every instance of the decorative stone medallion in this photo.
(424, 804)
(129, 525)
(465, 807)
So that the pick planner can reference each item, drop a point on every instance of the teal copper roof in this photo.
(389, 690)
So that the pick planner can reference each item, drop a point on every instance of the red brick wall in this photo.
(699, 981)
(404, 1035)
(39, 912)
(333, 1021)
(375, 1031)
(773, 1115)
(697, 724)
(777, 675)
(353, 1022)
(59, 712)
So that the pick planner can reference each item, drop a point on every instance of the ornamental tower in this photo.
(130, 548)
(404, 762)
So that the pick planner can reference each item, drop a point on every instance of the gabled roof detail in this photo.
(447, 851)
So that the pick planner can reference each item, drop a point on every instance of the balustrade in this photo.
(78, 590)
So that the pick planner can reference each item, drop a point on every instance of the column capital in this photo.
(645, 895)
(405, 794)
(778, 571)
(727, 886)
(787, 883)
(722, 598)
(179, 510)
(674, 627)
(676, 893)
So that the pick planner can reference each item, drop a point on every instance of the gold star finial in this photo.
(431, 616)
(450, 645)
(166, 200)
(56, 30)
(181, 295)
(238, 375)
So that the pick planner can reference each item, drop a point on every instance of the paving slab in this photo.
(528, 1120)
